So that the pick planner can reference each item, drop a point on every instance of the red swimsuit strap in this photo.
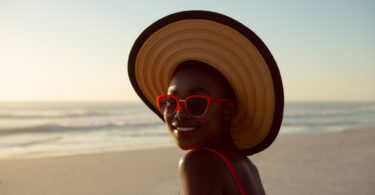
(231, 170)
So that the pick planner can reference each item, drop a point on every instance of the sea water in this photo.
(42, 129)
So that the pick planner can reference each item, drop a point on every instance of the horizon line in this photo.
(140, 101)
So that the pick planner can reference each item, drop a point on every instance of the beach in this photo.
(330, 163)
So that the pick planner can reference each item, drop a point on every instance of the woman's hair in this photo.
(197, 65)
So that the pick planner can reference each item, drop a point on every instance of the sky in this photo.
(78, 50)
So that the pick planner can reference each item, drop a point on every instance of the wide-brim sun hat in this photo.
(226, 45)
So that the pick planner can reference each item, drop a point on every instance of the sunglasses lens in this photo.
(196, 106)
(167, 105)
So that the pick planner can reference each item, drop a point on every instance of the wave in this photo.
(320, 123)
(56, 128)
(50, 114)
(29, 143)
(330, 112)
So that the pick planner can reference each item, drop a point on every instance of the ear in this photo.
(229, 111)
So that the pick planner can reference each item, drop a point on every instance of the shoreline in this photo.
(124, 148)
(87, 151)
(335, 163)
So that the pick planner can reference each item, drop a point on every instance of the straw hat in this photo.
(229, 47)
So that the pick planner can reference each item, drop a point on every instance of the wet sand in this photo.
(337, 163)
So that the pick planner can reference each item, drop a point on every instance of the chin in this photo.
(190, 147)
(186, 146)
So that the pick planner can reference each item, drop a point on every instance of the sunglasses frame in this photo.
(178, 100)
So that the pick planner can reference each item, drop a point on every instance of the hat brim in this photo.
(231, 48)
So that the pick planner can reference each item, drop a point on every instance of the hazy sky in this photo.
(77, 50)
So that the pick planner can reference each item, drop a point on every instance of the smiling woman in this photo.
(219, 91)
(204, 126)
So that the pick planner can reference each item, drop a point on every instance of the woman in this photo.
(219, 91)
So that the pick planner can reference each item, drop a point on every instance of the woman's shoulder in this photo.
(202, 170)
(202, 161)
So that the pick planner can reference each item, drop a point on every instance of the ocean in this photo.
(50, 129)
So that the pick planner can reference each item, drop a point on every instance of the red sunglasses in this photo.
(195, 105)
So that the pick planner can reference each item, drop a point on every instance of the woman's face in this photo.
(191, 132)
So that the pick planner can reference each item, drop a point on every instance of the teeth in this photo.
(185, 128)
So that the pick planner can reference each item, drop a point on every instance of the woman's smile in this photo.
(184, 130)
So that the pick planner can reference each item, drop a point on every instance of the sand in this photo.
(337, 163)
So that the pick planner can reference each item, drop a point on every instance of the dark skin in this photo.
(202, 172)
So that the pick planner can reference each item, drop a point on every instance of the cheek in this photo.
(215, 124)
(212, 127)
(168, 122)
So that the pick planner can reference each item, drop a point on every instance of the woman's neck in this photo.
(227, 147)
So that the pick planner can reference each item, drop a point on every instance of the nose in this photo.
(182, 113)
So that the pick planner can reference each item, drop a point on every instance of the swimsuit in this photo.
(231, 170)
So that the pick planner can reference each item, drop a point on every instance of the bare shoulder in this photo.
(202, 172)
